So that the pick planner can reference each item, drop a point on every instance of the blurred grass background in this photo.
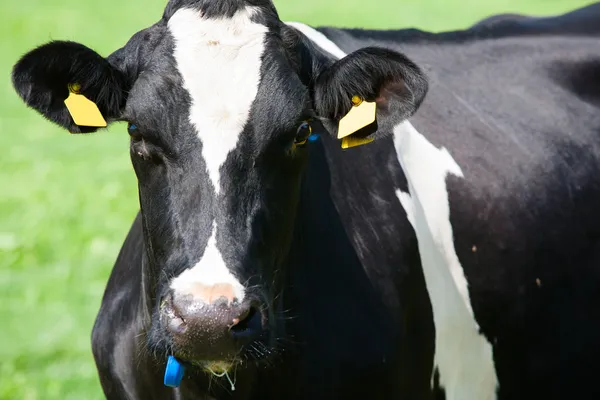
(66, 202)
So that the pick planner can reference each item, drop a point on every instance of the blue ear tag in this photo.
(173, 372)
(314, 137)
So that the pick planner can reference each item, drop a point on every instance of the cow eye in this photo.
(138, 146)
(132, 129)
(302, 133)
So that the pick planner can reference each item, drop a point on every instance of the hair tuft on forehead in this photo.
(219, 8)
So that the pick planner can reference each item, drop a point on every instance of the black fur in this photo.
(42, 77)
(305, 57)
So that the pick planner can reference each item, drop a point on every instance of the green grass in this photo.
(66, 202)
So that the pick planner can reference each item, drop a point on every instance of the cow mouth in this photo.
(217, 368)
(221, 369)
(257, 351)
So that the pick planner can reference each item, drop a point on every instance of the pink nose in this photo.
(211, 293)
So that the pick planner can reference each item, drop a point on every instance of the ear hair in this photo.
(41, 78)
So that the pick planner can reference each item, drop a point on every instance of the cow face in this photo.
(220, 97)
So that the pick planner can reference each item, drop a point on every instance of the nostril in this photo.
(248, 324)
(177, 324)
(175, 321)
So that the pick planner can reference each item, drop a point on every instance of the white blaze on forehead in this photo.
(210, 277)
(463, 356)
(219, 60)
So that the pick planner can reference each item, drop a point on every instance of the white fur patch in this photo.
(463, 357)
(219, 60)
(209, 271)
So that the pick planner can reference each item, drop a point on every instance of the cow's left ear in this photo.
(379, 81)
(45, 76)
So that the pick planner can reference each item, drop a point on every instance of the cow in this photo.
(335, 213)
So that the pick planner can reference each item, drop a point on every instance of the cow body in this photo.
(518, 113)
(454, 257)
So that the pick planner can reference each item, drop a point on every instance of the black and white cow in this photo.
(457, 256)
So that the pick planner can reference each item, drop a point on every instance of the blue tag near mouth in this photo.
(174, 372)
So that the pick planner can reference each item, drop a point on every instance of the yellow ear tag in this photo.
(350, 141)
(83, 111)
(359, 116)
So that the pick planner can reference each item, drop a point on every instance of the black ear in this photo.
(42, 78)
(374, 74)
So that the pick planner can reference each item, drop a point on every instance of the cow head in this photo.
(220, 97)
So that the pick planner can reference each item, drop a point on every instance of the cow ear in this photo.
(44, 77)
(372, 90)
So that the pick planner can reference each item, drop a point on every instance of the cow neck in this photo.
(320, 244)
(325, 283)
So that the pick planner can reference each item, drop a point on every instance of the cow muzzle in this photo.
(208, 332)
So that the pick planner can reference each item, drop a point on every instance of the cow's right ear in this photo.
(43, 77)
